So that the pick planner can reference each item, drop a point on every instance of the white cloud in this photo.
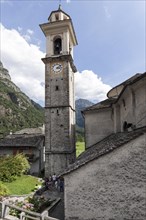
(90, 86)
(19, 29)
(107, 13)
(24, 63)
(27, 35)
(30, 32)
(23, 60)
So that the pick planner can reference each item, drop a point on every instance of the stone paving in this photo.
(53, 193)
(58, 211)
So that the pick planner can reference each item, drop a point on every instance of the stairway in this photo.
(58, 210)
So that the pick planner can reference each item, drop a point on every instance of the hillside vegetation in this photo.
(17, 111)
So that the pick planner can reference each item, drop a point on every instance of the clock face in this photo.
(57, 67)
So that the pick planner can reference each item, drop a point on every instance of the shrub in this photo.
(34, 204)
(3, 190)
(20, 165)
(13, 166)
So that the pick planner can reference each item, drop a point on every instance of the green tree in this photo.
(12, 167)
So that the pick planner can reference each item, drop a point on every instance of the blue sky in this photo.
(111, 43)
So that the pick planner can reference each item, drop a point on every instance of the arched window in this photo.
(57, 45)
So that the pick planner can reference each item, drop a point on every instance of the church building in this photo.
(107, 181)
(59, 92)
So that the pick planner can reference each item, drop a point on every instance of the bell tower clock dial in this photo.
(57, 67)
(59, 92)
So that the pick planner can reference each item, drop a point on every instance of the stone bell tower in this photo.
(59, 92)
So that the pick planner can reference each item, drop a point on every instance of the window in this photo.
(124, 104)
(57, 46)
(57, 17)
(57, 88)
(125, 126)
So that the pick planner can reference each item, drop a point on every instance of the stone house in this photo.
(108, 180)
(32, 145)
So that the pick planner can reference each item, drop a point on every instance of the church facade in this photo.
(59, 92)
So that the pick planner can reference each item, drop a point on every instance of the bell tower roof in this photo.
(60, 11)
(59, 20)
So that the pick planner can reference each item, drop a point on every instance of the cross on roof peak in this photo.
(59, 8)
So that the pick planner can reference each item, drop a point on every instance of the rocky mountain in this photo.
(17, 111)
(81, 104)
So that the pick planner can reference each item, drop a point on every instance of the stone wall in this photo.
(110, 187)
(59, 139)
(131, 106)
(98, 125)
(140, 103)
(57, 86)
(59, 117)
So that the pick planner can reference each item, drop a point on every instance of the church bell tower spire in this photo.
(59, 92)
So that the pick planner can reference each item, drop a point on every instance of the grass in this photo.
(26, 184)
(80, 147)
(22, 185)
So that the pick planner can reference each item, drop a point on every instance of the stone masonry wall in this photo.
(132, 105)
(57, 86)
(111, 187)
(59, 117)
(98, 125)
(140, 103)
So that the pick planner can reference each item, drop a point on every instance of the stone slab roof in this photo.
(34, 131)
(130, 82)
(103, 147)
(104, 104)
(59, 10)
(123, 85)
(107, 103)
(21, 141)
